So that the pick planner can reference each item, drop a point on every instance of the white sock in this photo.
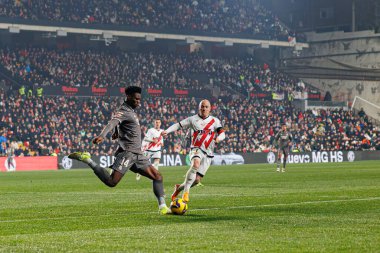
(190, 178)
(156, 165)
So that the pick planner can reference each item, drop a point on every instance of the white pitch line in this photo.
(289, 204)
(203, 209)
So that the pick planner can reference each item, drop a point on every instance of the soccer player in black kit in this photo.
(283, 140)
(126, 129)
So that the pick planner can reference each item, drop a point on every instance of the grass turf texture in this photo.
(246, 208)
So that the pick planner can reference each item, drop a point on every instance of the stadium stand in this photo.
(222, 17)
(60, 125)
(78, 68)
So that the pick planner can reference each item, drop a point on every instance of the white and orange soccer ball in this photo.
(178, 206)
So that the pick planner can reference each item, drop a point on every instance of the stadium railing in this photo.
(15, 21)
(326, 104)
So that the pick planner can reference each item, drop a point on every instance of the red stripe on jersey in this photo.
(209, 124)
(204, 135)
(195, 135)
(152, 144)
(210, 140)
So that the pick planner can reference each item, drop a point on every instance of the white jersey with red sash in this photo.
(203, 132)
(148, 145)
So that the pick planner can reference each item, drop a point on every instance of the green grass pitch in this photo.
(246, 208)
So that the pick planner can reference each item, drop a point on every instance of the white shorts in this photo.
(154, 155)
(205, 160)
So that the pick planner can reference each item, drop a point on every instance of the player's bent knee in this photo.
(196, 165)
(158, 177)
(155, 174)
(196, 162)
(112, 183)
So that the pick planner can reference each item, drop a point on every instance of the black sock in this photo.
(285, 157)
(158, 189)
(102, 174)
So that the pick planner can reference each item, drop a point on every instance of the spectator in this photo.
(361, 113)
(3, 142)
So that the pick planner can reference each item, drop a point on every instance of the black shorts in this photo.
(285, 150)
(126, 160)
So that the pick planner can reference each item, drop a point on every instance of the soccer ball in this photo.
(178, 207)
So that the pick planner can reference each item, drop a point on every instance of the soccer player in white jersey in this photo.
(206, 130)
(152, 144)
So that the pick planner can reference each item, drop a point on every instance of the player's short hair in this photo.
(200, 103)
(132, 89)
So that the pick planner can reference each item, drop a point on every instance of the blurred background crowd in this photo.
(60, 125)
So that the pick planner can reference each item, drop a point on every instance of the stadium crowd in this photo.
(101, 69)
(218, 16)
(43, 67)
(60, 125)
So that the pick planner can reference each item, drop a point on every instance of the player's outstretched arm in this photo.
(171, 129)
(108, 128)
